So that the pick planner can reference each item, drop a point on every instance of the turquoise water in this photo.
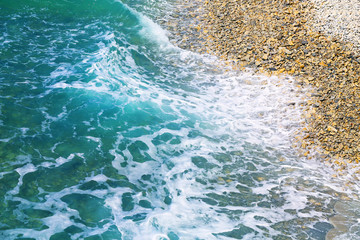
(110, 131)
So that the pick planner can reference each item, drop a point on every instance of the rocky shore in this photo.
(289, 37)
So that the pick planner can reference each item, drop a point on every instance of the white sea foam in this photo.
(151, 30)
(251, 109)
(249, 118)
(253, 114)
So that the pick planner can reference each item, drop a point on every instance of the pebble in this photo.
(289, 37)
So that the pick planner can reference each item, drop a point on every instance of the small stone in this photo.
(282, 39)
(332, 129)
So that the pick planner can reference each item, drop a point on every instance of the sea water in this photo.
(110, 131)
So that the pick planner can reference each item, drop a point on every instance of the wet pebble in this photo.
(277, 38)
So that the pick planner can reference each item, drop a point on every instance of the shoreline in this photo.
(284, 37)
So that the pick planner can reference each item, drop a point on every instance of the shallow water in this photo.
(109, 131)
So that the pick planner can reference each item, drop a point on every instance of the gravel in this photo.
(315, 41)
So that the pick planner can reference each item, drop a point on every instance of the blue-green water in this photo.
(109, 131)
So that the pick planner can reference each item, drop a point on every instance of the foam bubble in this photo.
(196, 149)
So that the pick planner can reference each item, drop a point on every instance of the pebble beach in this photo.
(316, 42)
(168, 119)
